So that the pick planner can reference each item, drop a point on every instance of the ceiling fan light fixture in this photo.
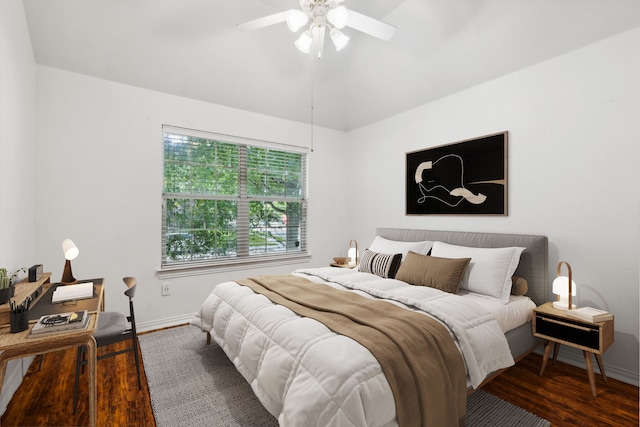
(321, 17)
(296, 19)
(318, 32)
(304, 42)
(338, 38)
(338, 16)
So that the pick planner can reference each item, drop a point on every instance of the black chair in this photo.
(113, 327)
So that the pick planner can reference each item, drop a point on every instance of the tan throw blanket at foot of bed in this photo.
(418, 356)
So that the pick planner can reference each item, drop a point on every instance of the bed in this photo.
(307, 368)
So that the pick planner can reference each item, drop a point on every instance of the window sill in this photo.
(195, 269)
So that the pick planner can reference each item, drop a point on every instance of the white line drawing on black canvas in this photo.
(458, 193)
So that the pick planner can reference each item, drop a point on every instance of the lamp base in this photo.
(562, 305)
(67, 275)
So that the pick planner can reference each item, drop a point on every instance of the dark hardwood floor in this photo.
(45, 397)
(562, 395)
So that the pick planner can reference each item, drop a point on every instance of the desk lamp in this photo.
(565, 288)
(70, 251)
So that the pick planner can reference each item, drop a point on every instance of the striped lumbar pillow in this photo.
(383, 265)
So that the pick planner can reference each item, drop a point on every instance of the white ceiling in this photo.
(192, 48)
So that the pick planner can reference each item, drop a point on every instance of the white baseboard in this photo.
(164, 323)
(614, 372)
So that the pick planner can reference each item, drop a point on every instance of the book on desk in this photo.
(72, 292)
(590, 314)
(52, 324)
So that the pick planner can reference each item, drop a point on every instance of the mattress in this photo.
(512, 315)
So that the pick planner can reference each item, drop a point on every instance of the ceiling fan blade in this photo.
(371, 26)
(265, 21)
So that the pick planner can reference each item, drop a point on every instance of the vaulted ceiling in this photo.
(192, 48)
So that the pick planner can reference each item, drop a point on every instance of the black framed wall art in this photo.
(463, 178)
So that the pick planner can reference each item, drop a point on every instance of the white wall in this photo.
(574, 145)
(99, 182)
(17, 139)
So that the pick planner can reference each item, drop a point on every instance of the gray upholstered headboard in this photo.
(534, 261)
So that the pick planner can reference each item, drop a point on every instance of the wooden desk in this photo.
(23, 290)
(18, 345)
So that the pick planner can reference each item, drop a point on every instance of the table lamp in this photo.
(353, 252)
(70, 251)
(565, 288)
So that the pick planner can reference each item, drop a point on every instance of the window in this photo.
(226, 201)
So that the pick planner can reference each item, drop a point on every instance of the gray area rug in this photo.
(194, 384)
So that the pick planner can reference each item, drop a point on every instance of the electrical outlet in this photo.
(166, 289)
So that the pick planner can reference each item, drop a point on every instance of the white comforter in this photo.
(305, 374)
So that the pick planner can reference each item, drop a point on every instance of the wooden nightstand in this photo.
(333, 264)
(557, 328)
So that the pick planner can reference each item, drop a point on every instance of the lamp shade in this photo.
(296, 19)
(338, 16)
(561, 286)
(69, 249)
(353, 252)
(338, 38)
(304, 42)
(565, 288)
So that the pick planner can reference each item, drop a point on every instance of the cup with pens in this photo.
(19, 317)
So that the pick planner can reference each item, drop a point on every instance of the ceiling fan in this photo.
(324, 15)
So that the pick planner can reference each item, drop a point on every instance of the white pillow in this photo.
(386, 246)
(490, 270)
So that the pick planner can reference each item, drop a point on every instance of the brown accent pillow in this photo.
(519, 285)
(440, 273)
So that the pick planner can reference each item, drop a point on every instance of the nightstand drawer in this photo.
(578, 333)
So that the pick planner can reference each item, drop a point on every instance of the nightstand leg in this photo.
(556, 348)
(601, 366)
(545, 357)
(588, 360)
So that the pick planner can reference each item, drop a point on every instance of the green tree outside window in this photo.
(224, 200)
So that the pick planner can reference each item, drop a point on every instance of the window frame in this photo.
(245, 260)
